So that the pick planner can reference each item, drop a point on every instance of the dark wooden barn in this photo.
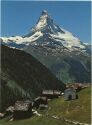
(40, 100)
(70, 94)
(50, 94)
(23, 109)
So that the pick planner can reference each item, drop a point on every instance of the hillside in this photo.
(22, 76)
(77, 110)
(67, 66)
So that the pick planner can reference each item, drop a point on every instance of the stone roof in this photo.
(10, 109)
(51, 92)
(22, 105)
(47, 92)
(70, 90)
(57, 92)
(43, 98)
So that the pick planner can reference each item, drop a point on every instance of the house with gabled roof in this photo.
(51, 93)
(22, 109)
(70, 94)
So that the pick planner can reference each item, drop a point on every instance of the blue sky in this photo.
(19, 17)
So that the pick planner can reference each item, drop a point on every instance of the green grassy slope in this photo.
(78, 110)
(22, 76)
(35, 121)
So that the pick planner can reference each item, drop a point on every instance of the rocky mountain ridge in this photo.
(60, 51)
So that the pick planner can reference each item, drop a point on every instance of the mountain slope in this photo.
(59, 50)
(22, 76)
(67, 66)
(64, 54)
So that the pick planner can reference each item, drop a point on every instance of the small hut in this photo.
(70, 94)
(23, 109)
(40, 101)
(9, 110)
(50, 94)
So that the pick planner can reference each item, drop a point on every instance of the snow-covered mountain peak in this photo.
(44, 21)
(47, 32)
(44, 12)
(52, 34)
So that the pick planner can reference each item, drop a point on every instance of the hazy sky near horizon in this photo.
(18, 17)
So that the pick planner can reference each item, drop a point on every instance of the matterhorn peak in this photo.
(44, 20)
(47, 32)
(44, 12)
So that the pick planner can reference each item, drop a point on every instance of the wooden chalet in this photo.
(40, 101)
(22, 109)
(70, 94)
(78, 86)
(51, 93)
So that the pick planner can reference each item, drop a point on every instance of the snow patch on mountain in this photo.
(21, 40)
(17, 39)
(68, 40)
(34, 37)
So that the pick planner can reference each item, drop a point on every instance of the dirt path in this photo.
(70, 121)
(60, 118)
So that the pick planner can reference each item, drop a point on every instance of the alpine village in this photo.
(45, 77)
